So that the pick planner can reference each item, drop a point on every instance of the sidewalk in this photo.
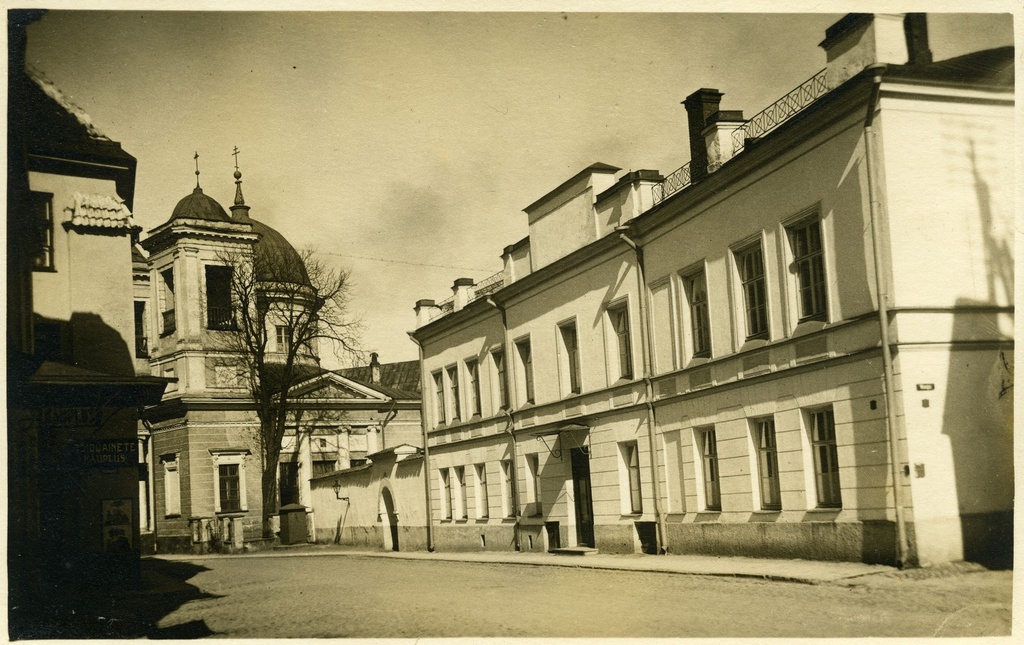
(804, 571)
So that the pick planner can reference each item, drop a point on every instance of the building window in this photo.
(460, 481)
(533, 485)
(172, 485)
(42, 211)
(709, 465)
(570, 345)
(526, 363)
(219, 314)
(288, 488)
(826, 460)
(230, 493)
(167, 297)
(696, 289)
(446, 494)
(229, 482)
(283, 338)
(473, 373)
(141, 340)
(507, 505)
(619, 318)
(453, 392)
(630, 468)
(767, 464)
(809, 267)
(480, 492)
(501, 376)
(750, 263)
(439, 397)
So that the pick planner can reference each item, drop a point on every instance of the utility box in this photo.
(293, 524)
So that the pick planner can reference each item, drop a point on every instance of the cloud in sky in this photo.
(405, 145)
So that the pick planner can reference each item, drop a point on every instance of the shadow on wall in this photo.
(85, 341)
(979, 423)
(122, 614)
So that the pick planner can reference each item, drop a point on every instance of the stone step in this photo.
(574, 550)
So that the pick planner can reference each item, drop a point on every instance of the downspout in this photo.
(646, 353)
(151, 468)
(892, 426)
(426, 450)
(510, 428)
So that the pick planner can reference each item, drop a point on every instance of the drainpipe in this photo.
(151, 468)
(426, 450)
(892, 426)
(646, 353)
(510, 428)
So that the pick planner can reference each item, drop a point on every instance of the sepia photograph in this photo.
(428, 321)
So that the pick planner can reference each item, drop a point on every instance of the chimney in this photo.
(463, 290)
(699, 107)
(374, 369)
(915, 26)
(425, 312)
(858, 40)
(718, 137)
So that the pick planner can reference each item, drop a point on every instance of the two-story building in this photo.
(73, 394)
(799, 344)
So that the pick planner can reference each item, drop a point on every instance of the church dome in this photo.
(200, 206)
(280, 255)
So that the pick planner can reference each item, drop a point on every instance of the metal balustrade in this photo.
(780, 111)
(673, 183)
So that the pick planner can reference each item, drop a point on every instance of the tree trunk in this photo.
(269, 490)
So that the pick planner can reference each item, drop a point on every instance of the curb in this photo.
(535, 560)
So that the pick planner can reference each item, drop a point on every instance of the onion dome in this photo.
(283, 263)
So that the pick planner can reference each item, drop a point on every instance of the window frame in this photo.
(482, 509)
(454, 402)
(814, 261)
(226, 322)
(500, 365)
(508, 508)
(43, 257)
(753, 288)
(526, 368)
(767, 457)
(172, 483)
(622, 340)
(283, 337)
(445, 497)
(827, 484)
(475, 408)
(570, 356)
(707, 451)
(630, 486)
(440, 413)
(168, 318)
(462, 500)
(697, 313)
(229, 458)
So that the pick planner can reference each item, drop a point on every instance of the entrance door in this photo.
(581, 491)
(390, 519)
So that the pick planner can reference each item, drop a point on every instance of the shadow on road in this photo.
(112, 613)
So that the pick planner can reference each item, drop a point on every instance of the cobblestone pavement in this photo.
(357, 595)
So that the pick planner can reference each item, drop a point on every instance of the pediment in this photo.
(333, 386)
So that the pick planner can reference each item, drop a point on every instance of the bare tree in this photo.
(284, 308)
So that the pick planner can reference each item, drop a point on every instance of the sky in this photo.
(403, 146)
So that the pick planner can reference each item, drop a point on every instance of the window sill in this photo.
(825, 509)
(44, 270)
(809, 326)
(630, 516)
(173, 516)
(238, 513)
(752, 343)
(481, 520)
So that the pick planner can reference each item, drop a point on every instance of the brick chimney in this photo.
(700, 106)
(858, 40)
(374, 368)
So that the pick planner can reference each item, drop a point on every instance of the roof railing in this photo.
(780, 111)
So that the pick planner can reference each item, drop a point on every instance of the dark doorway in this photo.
(581, 491)
(390, 518)
(289, 486)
